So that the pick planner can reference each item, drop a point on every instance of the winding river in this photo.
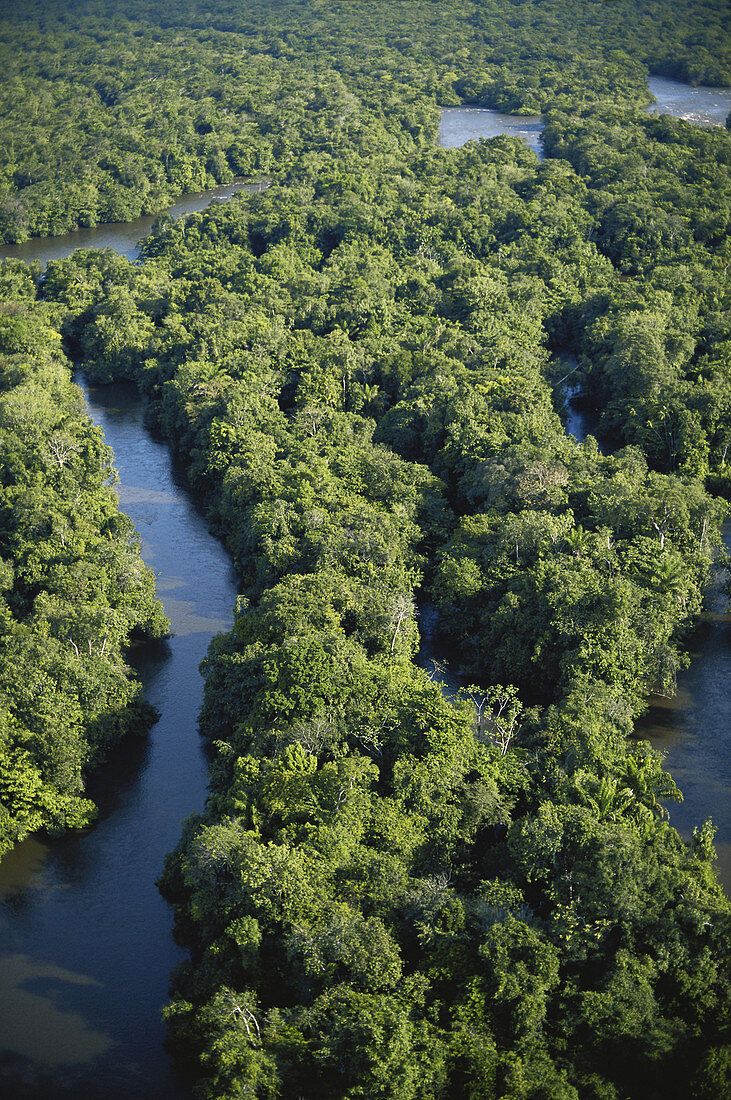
(87, 943)
(701, 105)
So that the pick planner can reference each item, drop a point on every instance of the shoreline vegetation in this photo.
(75, 592)
(390, 893)
(112, 114)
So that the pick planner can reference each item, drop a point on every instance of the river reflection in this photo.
(36, 991)
(88, 946)
(432, 659)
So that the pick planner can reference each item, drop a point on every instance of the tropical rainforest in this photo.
(75, 592)
(393, 891)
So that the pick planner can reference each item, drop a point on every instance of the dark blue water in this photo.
(87, 939)
(692, 729)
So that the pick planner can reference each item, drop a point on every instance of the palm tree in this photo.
(644, 776)
(670, 577)
(607, 799)
(578, 540)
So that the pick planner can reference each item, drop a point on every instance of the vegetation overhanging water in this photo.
(209, 843)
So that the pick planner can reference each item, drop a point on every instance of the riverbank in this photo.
(87, 939)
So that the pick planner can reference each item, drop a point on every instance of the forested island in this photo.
(391, 893)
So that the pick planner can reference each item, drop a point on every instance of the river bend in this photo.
(88, 946)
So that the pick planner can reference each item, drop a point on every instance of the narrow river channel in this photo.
(691, 729)
(87, 939)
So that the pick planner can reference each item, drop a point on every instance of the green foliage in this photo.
(392, 893)
(74, 590)
(111, 111)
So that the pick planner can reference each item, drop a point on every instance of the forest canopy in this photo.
(112, 110)
(394, 891)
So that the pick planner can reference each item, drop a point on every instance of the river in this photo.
(123, 237)
(704, 106)
(459, 125)
(692, 729)
(87, 944)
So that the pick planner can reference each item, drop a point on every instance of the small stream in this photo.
(431, 657)
(580, 421)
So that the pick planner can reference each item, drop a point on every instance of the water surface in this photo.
(87, 939)
(123, 237)
(692, 729)
(458, 125)
(580, 421)
(432, 658)
(704, 106)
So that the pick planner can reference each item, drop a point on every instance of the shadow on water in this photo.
(434, 658)
(580, 418)
(692, 730)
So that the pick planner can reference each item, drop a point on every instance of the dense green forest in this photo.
(74, 590)
(112, 110)
(391, 893)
